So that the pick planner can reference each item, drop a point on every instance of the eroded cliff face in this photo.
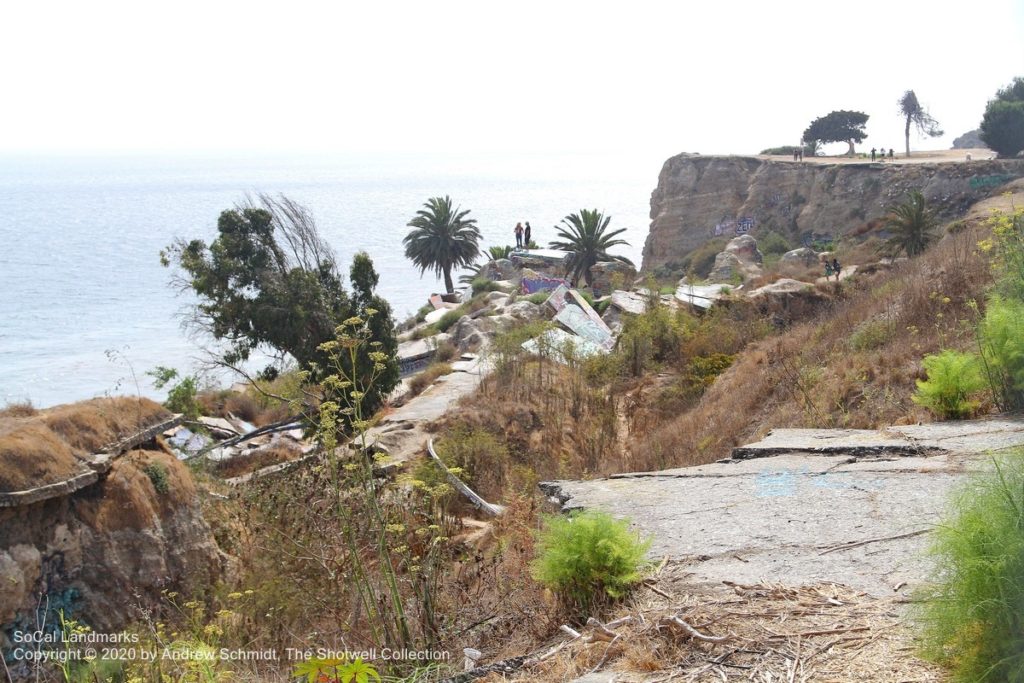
(107, 549)
(701, 197)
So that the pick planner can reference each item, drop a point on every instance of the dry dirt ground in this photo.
(916, 157)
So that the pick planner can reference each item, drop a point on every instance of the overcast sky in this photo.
(656, 77)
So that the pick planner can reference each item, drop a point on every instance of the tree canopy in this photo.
(1002, 126)
(585, 235)
(917, 116)
(269, 280)
(838, 126)
(442, 238)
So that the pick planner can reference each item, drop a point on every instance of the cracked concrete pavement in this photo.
(804, 506)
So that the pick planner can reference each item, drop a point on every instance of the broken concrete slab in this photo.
(402, 432)
(562, 347)
(702, 296)
(796, 518)
(961, 436)
(629, 302)
(847, 441)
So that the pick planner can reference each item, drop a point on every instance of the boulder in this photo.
(500, 269)
(611, 275)
(471, 333)
(730, 268)
(804, 256)
(783, 286)
(745, 249)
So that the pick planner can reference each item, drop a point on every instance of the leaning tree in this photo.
(838, 126)
(269, 281)
(917, 116)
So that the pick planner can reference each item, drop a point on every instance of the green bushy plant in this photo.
(481, 285)
(1001, 337)
(773, 244)
(953, 379)
(181, 397)
(589, 557)
(974, 623)
(157, 474)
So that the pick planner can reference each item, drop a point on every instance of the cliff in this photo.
(701, 197)
(108, 523)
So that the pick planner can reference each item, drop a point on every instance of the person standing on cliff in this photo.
(836, 268)
(519, 235)
(891, 154)
(526, 236)
(872, 154)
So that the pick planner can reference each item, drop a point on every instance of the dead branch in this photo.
(678, 623)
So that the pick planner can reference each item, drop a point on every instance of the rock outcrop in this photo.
(699, 198)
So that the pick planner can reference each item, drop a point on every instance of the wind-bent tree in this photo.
(268, 280)
(911, 225)
(918, 116)
(586, 237)
(441, 239)
(1002, 126)
(838, 126)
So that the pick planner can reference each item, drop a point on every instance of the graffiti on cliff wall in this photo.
(739, 226)
(978, 182)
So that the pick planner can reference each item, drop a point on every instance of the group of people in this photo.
(798, 154)
(880, 153)
(522, 235)
(832, 268)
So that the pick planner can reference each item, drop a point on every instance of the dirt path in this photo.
(916, 157)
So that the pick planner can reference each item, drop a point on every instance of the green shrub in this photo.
(481, 285)
(538, 297)
(701, 260)
(589, 557)
(181, 397)
(773, 244)
(1001, 337)
(650, 339)
(953, 378)
(157, 474)
(974, 623)
(870, 334)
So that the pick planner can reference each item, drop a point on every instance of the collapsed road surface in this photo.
(853, 507)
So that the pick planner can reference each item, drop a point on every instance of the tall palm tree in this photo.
(442, 238)
(586, 237)
(911, 224)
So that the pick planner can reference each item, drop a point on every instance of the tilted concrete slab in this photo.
(962, 436)
(702, 296)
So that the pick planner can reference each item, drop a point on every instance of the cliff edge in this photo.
(699, 198)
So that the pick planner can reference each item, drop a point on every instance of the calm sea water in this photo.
(85, 304)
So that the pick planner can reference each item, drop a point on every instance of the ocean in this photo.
(86, 309)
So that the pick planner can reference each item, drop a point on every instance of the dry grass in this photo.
(44, 447)
(853, 365)
(774, 633)
(257, 459)
(427, 377)
(130, 500)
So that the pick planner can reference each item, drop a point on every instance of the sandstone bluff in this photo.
(699, 197)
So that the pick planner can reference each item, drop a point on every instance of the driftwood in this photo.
(473, 496)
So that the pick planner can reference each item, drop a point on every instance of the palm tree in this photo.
(585, 237)
(442, 239)
(911, 224)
